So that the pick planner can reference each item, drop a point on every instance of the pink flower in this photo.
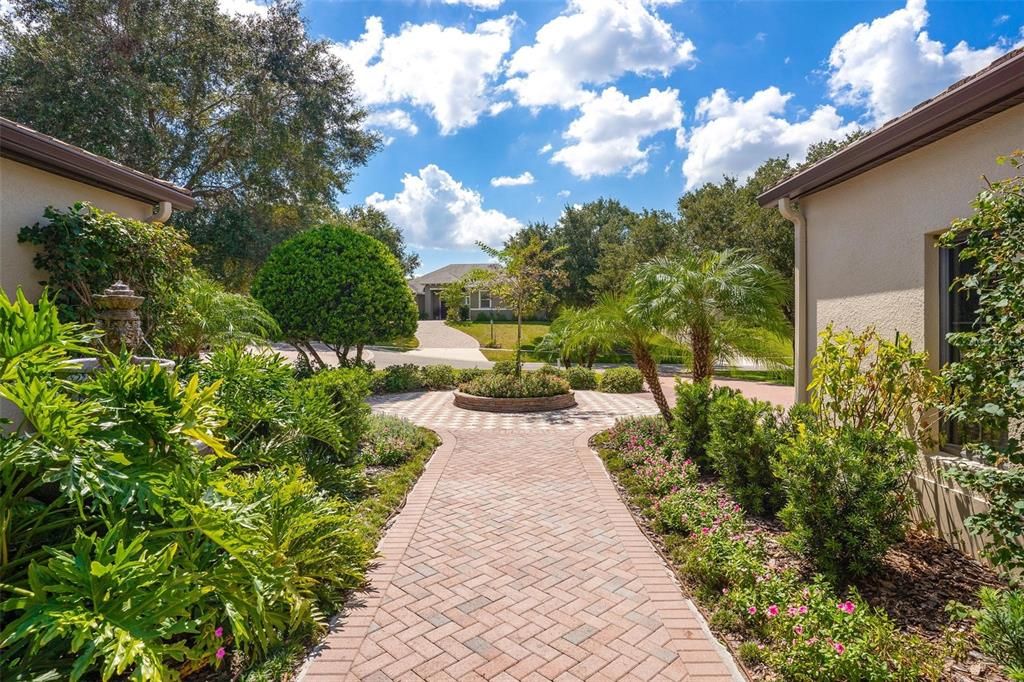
(219, 632)
(847, 606)
(221, 653)
(751, 610)
(773, 611)
(839, 648)
(798, 629)
(801, 609)
(725, 590)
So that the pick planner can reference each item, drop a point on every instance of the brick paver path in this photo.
(514, 559)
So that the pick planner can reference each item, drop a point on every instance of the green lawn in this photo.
(403, 343)
(505, 338)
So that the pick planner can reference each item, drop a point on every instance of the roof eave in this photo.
(31, 148)
(996, 89)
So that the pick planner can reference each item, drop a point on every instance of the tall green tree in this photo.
(584, 232)
(249, 113)
(721, 304)
(651, 234)
(374, 222)
(528, 271)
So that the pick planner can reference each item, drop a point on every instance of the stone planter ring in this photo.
(513, 405)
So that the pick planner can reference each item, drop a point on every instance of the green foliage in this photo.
(396, 379)
(581, 378)
(84, 250)
(504, 367)
(374, 222)
(718, 304)
(622, 380)
(987, 380)
(743, 437)
(999, 625)
(690, 424)
(133, 545)
(338, 286)
(848, 495)
(527, 385)
(390, 441)
(439, 377)
(864, 381)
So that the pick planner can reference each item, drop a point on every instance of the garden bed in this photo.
(513, 405)
(912, 588)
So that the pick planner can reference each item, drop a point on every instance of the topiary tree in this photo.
(338, 286)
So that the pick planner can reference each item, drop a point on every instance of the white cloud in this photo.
(891, 64)
(564, 193)
(443, 69)
(476, 4)
(437, 211)
(1001, 19)
(392, 119)
(242, 7)
(525, 178)
(594, 42)
(734, 136)
(545, 149)
(610, 129)
(498, 107)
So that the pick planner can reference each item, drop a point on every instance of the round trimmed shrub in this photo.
(552, 370)
(622, 380)
(396, 379)
(529, 385)
(337, 285)
(504, 367)
(438, 377)
(581, 378)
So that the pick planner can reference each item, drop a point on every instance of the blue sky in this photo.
(499, 112)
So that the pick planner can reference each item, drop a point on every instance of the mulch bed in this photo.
(918, 578)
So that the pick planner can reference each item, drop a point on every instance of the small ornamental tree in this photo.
(987, 382)
(338, 286)
(529, 272)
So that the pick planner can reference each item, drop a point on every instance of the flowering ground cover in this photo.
(782, 619)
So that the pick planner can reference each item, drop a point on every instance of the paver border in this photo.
(334, 656)
(705, 657)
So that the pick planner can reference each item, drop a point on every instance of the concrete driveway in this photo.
(439, 344)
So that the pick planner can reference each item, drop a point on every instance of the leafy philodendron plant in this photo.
(987, 381)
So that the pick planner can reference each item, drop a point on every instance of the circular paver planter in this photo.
(512, 405)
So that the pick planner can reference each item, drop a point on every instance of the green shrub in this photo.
(999, 624)
(468, 374)
(396, 379)
(347, 390)
(581, 378)
(690, 417)
(813, 635)
(622, 380)
(504, 367)
(338, 286)
(439, 377)
(659, 475)
(390, 441)
(552, 370)
(848, 496)
(529, 385)
(744, 435)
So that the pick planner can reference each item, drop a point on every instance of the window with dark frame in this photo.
(958, 313)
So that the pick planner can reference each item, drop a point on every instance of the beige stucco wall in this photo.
(24, 193)
(871, 258)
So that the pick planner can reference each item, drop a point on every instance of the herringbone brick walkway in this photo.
(514, 559)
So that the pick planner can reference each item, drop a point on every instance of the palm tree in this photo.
(614, 321)
(721, 304)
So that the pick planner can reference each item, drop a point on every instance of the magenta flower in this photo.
(219, 632)
(751, 610)
(798, 629)
(847, 606)
(839, 648)
(773, 611)
(221, 653)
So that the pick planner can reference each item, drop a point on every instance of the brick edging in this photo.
(692, 639)
(333, 657)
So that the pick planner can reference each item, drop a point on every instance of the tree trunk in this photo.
(359, 353)
(319, 363)
(700, 342)
(649, 368)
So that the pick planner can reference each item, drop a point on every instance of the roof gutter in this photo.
(793, 214)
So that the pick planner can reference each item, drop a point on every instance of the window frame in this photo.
(485, 294)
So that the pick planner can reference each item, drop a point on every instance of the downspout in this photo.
(161, 213)
(801, 378)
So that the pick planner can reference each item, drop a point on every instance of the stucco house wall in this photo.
(24, 193)
(871, 260)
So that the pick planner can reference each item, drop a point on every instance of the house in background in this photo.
(480, 303)
(867, 219)
(37, 171)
